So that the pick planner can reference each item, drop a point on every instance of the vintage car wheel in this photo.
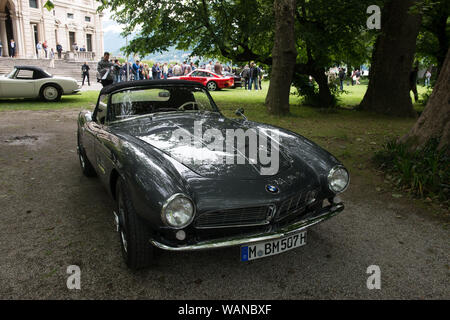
(134, 234)
(50, 93)
(86, 166)
(211, 86)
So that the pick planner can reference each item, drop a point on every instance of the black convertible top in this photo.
(39, 72)
(147, 83)
(29, 68)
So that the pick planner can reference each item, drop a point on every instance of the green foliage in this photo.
(309, 91)
(434, 38)
(237, 30)
(424, 172)
(424, 97)
(49, 5)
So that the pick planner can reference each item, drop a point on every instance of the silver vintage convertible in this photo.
(34, 82)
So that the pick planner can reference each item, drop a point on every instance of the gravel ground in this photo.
(53, 217)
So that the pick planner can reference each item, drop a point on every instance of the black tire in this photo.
(211, 86)
(134, 233)
(86, 166)
(50, 93)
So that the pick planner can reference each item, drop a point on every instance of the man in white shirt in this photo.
(210, 66)
(39, 50)
(177, 71)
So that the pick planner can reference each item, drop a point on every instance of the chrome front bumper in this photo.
(325, 213)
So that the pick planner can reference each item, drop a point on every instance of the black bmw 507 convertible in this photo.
(184, 177)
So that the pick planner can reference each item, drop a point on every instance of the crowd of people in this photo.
(111, 71)
(341, 74)
(252, 76)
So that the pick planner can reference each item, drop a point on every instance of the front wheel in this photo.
(134, 233)
(211, 86)
(50, 93)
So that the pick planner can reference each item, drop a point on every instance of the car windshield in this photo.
(11, 74)
(47, 73)
(133, 103)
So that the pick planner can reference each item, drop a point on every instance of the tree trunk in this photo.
(441, 34)
(434, 122)
(392, 58)
(325, 96)
(284, 55)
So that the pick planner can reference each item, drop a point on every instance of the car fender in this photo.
(149, 176)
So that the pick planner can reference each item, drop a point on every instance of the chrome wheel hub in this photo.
(50, 93)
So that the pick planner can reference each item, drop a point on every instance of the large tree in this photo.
(434, 37)
(389, 90)
(243, 30)
(284, 55)
(434, 122)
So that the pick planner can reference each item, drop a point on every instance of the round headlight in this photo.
(338, 179)
(178, 211)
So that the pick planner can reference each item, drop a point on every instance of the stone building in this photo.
(71, 21)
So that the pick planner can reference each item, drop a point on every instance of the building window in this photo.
(71, 39)
(70, 15)
(33, 4)
(89, 42)
(87, 19)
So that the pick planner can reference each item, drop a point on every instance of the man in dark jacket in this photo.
(246, 75)
(59, 50)
(85, 73)
(341, 75)
(105, 74)
(254, 74)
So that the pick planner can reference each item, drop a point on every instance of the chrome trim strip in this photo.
(326, 213)
(264, 223)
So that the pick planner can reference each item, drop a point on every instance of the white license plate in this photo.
(272, 247)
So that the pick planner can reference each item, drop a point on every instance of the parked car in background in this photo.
(209, 79)
(34, 82)
(176, 195)
(238, 80)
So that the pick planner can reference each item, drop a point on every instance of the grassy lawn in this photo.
(350, 135)
(86, 99)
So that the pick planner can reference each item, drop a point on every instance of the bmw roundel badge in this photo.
(272, 189)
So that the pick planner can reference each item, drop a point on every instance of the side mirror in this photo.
(240, 112)
(88, 116)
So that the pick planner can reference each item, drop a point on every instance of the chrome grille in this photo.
(290, 206)
(234, 217)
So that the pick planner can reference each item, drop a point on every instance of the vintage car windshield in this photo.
(129, 104)
(11, 74)
(47, 73)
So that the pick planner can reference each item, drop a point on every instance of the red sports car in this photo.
(209, 79)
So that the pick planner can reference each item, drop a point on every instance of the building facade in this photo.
(29, 22)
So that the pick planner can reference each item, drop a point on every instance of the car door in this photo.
(21, 85)
(210, 77)
(201, 77)
(104, 146)
(103, 142)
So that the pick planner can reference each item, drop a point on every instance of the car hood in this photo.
(187, 138)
